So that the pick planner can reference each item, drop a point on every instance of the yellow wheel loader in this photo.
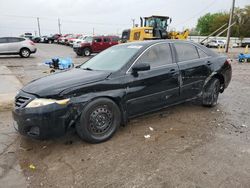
(151, 28)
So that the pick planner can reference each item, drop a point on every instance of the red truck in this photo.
(95, 44)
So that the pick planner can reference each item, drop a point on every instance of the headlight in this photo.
(44, 102)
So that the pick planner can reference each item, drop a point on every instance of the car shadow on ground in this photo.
(15, 57)
(71, 137)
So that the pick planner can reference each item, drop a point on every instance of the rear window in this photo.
(186, 52)
(3, 40)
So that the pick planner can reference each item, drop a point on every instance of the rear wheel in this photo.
(211, 93)
(25, 52)
(99, 121)
(86, 51)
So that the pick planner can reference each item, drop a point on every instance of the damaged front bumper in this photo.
(42, 122)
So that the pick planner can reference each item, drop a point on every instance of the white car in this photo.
(79, 40)
(216, 44)
(17, 46)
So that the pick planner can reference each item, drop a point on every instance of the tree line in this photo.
(210, 22)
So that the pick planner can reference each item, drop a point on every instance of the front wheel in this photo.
(211, 93)
(99, 121)
(86, 51)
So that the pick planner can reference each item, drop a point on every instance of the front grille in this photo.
(21, 101)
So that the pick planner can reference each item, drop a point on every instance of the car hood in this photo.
(54, 84)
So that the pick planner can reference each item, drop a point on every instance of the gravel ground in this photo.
(190, 146)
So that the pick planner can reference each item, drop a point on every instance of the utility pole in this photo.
(38, 24)
(93, 31)
(59, 26)
(133, 20)
(229, 26)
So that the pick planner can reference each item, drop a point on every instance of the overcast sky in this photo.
(105, 16)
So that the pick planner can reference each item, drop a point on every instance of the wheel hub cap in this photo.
(100, 120)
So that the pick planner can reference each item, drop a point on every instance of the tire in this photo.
(86, 51)
(25, 52)
(99, 121)
(211, 93)
(241, 60)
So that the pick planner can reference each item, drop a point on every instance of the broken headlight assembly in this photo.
(43, 102)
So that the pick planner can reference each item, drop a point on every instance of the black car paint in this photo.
(135, 95)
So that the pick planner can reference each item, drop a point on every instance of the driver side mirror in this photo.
(140, 67)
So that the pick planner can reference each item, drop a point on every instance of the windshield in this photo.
(88, 39)
(112, 59)
(156, 22)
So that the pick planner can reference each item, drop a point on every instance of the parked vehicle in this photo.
(120, 83)
(44, 39)
(79, 40)
(95, 44)
(16, 45)
(216, 44)
(72, 40)
(61, 39)
(50, 39)
(67, 38)
(36, 39)
(245, 42)
(54, 38)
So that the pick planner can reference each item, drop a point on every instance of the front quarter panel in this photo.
(113, 88)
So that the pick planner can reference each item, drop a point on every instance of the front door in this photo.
(97, 45)
(155, 88)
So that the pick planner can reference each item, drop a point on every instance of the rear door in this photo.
(157, 87)
(97, 44)
(3, 45)
(195, 67)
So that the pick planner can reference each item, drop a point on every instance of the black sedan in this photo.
(122, 82)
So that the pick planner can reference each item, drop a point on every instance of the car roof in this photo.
(148, 43)
(105, 36)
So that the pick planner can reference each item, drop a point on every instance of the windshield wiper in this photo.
(87, 69)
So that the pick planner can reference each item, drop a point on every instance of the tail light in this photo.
(32, 43)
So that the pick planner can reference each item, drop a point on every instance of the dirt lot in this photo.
(190, 146)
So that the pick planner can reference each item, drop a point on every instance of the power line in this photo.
(198, 13)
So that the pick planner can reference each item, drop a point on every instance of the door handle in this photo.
(172, 71)
(209, 63)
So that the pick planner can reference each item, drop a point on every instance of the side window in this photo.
(156, 56)
(3, 40)
(106, 40)
(97, 40)
(186, 51)
(11, 40)
(202, 54)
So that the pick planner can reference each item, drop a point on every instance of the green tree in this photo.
(211, 22)
(204, 24)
